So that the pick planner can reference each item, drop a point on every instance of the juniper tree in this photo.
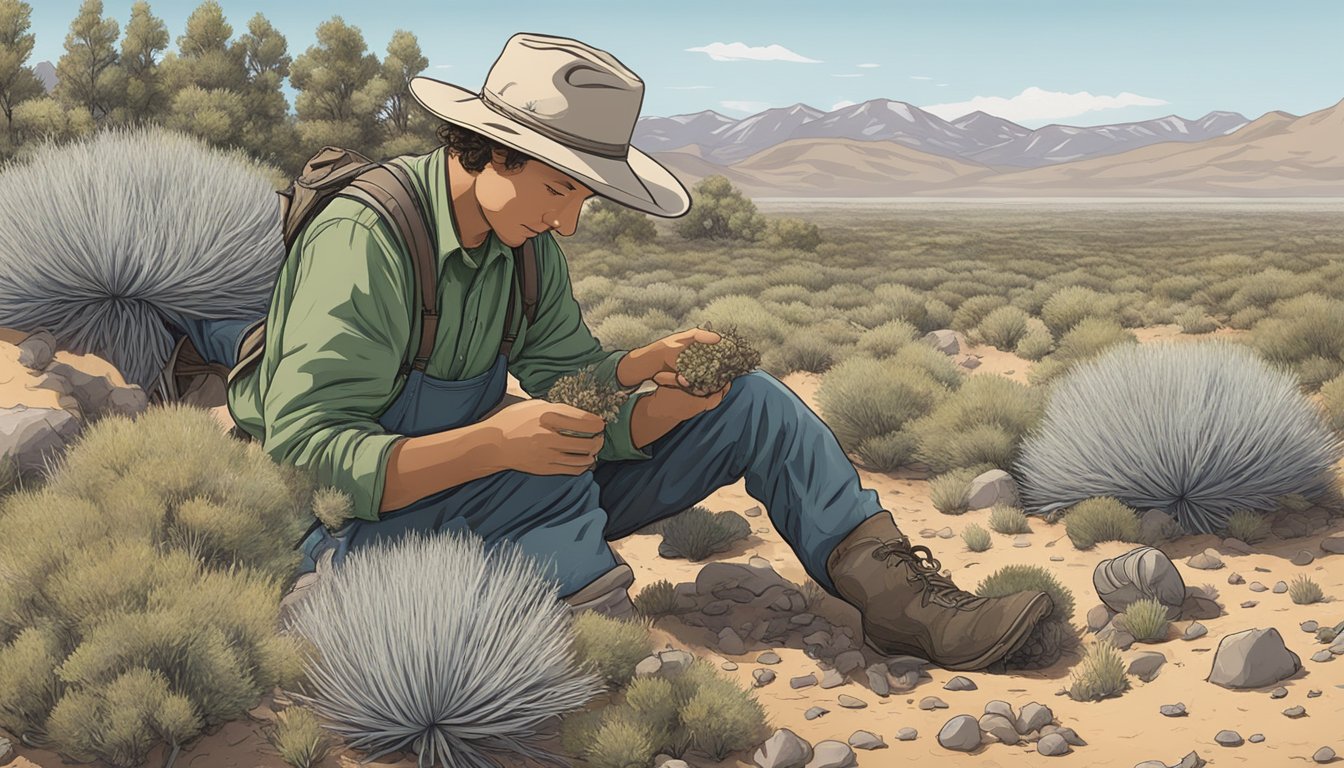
(145, 39)
(269, 134)
(18, 82)
(339, 88)
(88, 77)
(404, 126)
(206, 79)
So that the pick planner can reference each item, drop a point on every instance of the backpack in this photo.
(388, 189)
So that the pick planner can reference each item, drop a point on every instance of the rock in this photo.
(1323, 755)
(832, 678)
(1146, 665)
(763, 676)
(821, 637)
(1120, 638)
(37, 350)
(814, 712)
(1156, 527)
(1137, 574)
(29, 437)
(849, 702)
(1053, 745)
(1256, 738)
(1173, 710)
(1191, 760)
(784, 749)
(1200, 606)
(959, 683)
(716, 607)
(931, 703)
(944, 341)
(6, 749)
(769, 657)
(1228, 738)
(1320, 657)
(675, 661)
(1237, 546)
(1151, 764)
(1099, 617)
(1313, 693)
(649, 665)
(1250, 604)
(737, 581)
(1195, 631)
(802, 681)
(1279, 693)
(998, 707)
(1022, 540)
(907, 734)
(730, 643)
(728, 665)
(877, 679)
(970, 363)
(1252, 659)
(1056, 558)
(848, 661)
(1303, 557)
(1280, 587)
(1258, 587)
(1208, 560)
(945, 533)
(1000, 728)
(1236, 578)
(961, 733)
(1309, 626)
(990, 488)
(1295, 711)
(866, 740)
(753, 512)
(927, 533)
(832, 754)
(1333, 545)
(1033, 717)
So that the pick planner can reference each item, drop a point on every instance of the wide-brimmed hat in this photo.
(569, 105)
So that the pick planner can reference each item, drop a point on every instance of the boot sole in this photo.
(1009, 642)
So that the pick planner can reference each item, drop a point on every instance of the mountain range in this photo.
(884, 147)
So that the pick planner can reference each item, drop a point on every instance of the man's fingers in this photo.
(568, 417)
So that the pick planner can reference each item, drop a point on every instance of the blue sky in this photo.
(1076, 62)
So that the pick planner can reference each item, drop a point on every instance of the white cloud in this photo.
(689, 87)
(745, 106)
(869, 66)
(744, 52)
(940, 85)
(850, 74)
(1038, 104)
(920, 77)
(841, 105)
(443, 66)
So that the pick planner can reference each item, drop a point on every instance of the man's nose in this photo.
(564, 220)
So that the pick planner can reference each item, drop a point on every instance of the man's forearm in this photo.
(648, 422)
(422, 466)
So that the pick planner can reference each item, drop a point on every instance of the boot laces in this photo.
(924, 567)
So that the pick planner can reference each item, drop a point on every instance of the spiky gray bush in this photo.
(106, 237)
(444, 646)
(1200, 429)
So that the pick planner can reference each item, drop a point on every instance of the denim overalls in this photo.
(761, 431)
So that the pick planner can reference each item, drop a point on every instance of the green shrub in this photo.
(1307, 326)
(751, 318)
(977, 539)
(697, 533)
(1007, 519)
(611, 647)
(1101, 519)
(609, 222)
(1100, 675)
(983, 422)
(1087, 340)
(1146, 620)
(1178, 287)
(1332, 398)
(805, 350)
(720, 211)
(937, 315)
(1036, 342)
(1314, 371)
(1195, 321)
(863, 398)
(620, 741)
(657, 599)
(1245, 319)
(786, 292)
(951, 492)
(578, 729)
(1248, 525)
(889, 452)
(622, 331)
(1004, 327)
(1304, 591)
(1011, 579)
(721, 717)
(971, 311)
(793, 233)
(937, 365)
(888, 338)
(1070, 305)
(299, 738)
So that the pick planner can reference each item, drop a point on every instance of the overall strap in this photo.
(390, 190)
(524, 270)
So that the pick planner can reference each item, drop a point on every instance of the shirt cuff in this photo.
(368, 475)
(617, 444)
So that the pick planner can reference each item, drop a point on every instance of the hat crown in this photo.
(572, 92)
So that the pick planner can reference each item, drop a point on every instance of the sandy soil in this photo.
(1120, 732)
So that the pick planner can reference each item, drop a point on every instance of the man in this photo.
(444, 449)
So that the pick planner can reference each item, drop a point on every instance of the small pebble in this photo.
(1324, 755)
(932, 702)
(1322, 656)
(1195, 631)
(832, 678)
(729, 665)
(1228, 738)
(1053, 745)
(959, 683)
(1262, 569)
(946, 533)
(1022, 541)
(1056, 558)
(1236, 578)
(1296, 711)
(1258, 587)
(815, 712)
(1250, 604)
(1278, 693)
(769, 657)
(1313, 693)
(1173, 710)
(802, 619)
(866, 740)
(1309, 626)
(802, 681)
(764, 676)
(907, 734)
(1303, 557)
(1280, 587)
(849, 702)
(1256, 738)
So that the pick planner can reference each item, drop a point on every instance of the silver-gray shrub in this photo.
(106, 237)
(1198, 429)
(442, 645)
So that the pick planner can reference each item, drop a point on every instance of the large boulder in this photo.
(1145, 572)
(1252, 659)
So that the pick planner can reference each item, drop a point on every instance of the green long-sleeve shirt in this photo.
(343, 318)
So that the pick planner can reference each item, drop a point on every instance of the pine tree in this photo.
(270, 134)
(207, 79)
(18, 82)
(88, 75)
(339, 88)
(146, 37)
(406, 127)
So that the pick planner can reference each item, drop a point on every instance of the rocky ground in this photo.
(823, 692)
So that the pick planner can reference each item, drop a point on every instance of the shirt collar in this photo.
(431, 171)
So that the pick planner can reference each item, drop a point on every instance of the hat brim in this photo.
(638, 181)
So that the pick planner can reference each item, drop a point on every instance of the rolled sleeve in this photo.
(344, 336)
(560, 343)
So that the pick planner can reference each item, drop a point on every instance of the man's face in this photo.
(521, 202)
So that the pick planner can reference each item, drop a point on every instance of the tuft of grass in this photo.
(1332, 398)
(332, 507)
(620, 741)
(1004, 327)
(1101, 519)
(721, 717)
(1036, 343)
(951, 491)
(1248, 525)
(1100, 675)
(299, 737)
(698, 533)
(1011, 579)
(1008, 519)
(889, 452)
(657, 599)
(1146, 620)
(864, 397)
(813, 594)
(983, 421)
(977, 539)
(611, 647)
(1196, 321)
(1304, 591)
(887, 339)
(585, 391)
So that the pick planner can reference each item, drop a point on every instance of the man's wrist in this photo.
(630, 369)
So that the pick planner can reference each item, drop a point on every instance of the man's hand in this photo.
(658, 360)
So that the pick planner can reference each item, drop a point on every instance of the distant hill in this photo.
(46, 72)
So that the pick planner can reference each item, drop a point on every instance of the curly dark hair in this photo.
(474, 150)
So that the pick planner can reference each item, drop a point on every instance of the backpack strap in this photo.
(390, 191)
(524, 271)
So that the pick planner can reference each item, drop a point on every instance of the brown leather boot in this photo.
(909, 607)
